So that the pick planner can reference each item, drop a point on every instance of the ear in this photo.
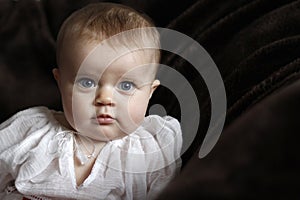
(56, 75)
(154, 85)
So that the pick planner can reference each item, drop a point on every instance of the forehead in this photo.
(97, 58)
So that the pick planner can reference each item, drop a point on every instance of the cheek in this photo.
(82, 107)
(66, 97)
(137, 107)
(74, 106)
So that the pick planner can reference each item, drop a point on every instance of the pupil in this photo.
(126, 86)
(88, 83)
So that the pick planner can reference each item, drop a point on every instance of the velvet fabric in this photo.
(255, 45)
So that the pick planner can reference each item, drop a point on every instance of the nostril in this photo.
(104, 102)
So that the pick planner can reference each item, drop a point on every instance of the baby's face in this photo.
(105, 94)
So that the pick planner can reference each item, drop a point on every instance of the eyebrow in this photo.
(88, 75)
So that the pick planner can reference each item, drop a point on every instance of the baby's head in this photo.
(107, 57)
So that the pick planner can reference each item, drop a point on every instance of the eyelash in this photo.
(88, 83)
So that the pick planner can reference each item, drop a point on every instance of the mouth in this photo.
(104, 119)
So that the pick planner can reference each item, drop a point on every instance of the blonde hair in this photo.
(99, 21)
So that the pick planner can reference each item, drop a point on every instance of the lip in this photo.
(105, 119)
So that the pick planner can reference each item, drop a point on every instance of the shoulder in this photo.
(29, 141)
(23, 124)
(155, 124)
(29, 114)
(156, 144)
(162, 129)
(159, 128)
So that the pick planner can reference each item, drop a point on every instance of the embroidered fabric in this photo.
(34, 197)
(39, 158)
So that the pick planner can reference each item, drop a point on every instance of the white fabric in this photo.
(36, 154)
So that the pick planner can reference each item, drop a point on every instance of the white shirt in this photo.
(36, 158)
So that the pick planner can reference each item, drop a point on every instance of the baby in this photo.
(102, 146)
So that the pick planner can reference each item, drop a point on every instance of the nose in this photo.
(104, 97)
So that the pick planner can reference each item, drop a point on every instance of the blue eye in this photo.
(86, 82)
(126, 86)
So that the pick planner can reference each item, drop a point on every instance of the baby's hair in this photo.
(99, 21)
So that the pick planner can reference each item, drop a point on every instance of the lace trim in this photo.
(34, 197)
(11, 188)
